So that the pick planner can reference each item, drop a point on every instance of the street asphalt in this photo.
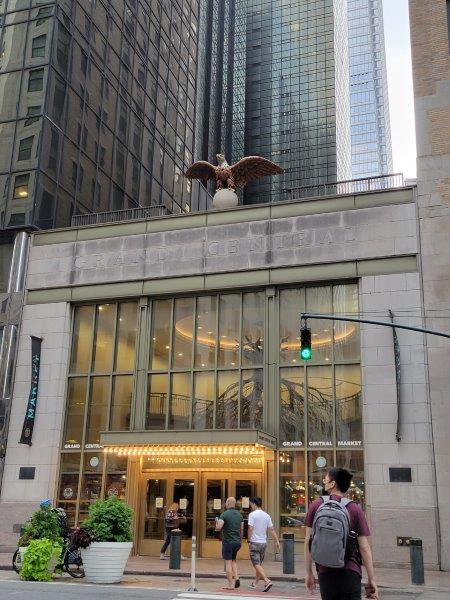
(144, 589)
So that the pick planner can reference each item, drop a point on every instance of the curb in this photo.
(186, 574)
(286, 578)
(410, 589)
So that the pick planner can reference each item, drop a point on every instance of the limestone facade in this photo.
(431, 75)
(377, 244)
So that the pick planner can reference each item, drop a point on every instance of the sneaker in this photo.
(253, 586)
(237, 583)
(184, 557)
(163, 557)
(267, 586)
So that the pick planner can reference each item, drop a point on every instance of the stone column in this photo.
(10, 314)
(431, 74)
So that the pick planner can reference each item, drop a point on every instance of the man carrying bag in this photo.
(336, 540)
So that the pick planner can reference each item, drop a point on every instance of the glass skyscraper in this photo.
(296, 61)
(97, 103)
(220, 106)
(292, 106)
(97, 106)
(370, 127)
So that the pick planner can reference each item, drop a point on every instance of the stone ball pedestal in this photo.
(225, 198)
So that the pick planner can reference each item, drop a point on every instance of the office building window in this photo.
(38, 46)
(25, 148)
(103, 352)
(31, 112)
(36, 80)
(43, 13)
(21, 186)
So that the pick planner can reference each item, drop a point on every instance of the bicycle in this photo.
(71, 562)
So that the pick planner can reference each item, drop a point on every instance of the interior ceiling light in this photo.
(183, 328)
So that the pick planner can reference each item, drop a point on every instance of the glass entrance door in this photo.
(201, 498)
(158, 492)
(215, 489)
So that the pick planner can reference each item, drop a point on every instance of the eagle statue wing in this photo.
(253, 167)
(201, 170)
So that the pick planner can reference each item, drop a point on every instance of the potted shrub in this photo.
(40, 559)
(45, 523)
(105, 540)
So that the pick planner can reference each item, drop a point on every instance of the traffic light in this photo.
(305, 343)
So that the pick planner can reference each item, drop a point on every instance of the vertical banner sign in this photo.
(28, 424)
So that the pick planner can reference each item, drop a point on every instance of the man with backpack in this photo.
(336, 540)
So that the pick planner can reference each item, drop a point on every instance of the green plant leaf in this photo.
(36, 561)
(44, 523)
(110, 521)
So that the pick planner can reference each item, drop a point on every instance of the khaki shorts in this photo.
(257, 552)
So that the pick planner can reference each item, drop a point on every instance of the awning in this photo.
(143, 441)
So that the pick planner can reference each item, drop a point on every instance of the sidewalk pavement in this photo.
(396, 579)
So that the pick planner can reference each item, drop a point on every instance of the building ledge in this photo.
(114, 439)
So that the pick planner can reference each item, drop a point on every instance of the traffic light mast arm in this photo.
(305, 316)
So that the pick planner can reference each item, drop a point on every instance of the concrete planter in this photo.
(22, 550)
(19, 559)
(104, 562)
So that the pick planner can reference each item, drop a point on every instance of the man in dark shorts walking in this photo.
(342, 584)
(231, 524)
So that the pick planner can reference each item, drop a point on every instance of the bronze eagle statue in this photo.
(232, 176)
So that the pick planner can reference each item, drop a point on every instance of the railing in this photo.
(350, 186)
(201, 200)
(129, 214)
(340, 188)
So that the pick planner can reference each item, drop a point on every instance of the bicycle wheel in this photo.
(73, 563)
(17, 561)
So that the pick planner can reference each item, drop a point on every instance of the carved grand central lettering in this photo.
(216, 248)
(228, 248)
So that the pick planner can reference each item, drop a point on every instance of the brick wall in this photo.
(430, 44)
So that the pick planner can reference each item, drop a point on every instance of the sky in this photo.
(401, 103)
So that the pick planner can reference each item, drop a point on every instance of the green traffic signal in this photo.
(305, 343)
(306, 353)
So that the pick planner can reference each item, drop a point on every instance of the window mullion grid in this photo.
(192, 387)
(216, 360)
(149, 363)
(112, 379)
(306, 428)
(141, 322)
(333, 379)
(271, 359)
(103, 486)
(305, 416)
(86, 406)
(89, 380)
(241, 315)
(77, 503)
(170, 361)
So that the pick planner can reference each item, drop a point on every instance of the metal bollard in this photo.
(175, 549)
(193, 564)
(288, 554)
(416, 559)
